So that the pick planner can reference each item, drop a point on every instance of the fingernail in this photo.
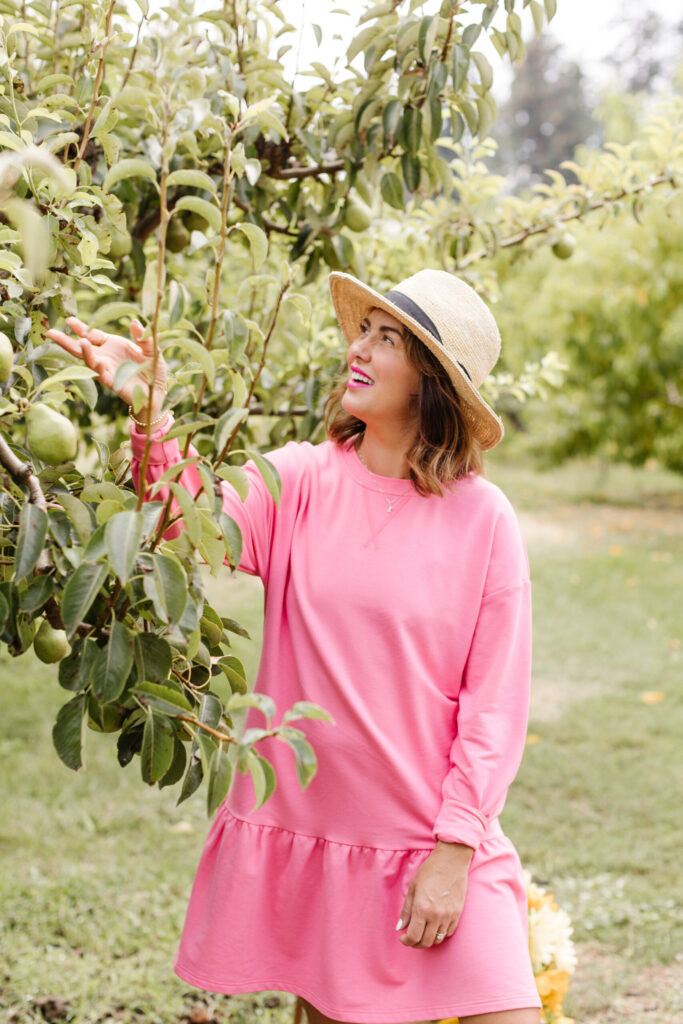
(400, 924)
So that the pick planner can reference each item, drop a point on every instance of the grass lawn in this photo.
(95, 867)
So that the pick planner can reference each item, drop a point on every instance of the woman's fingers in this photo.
(71, 345)
(93, 334)
(137, 331)
(414, 931)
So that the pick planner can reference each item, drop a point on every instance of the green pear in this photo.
(357, 214)
(50, 644)
(564, 246)
(6, 357)
(50, 436)
(177, 236)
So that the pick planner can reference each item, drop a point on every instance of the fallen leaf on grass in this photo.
(532, 738)
(652, 697)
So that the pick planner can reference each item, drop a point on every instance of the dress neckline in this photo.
(386, 485)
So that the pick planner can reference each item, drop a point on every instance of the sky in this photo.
(587, 29)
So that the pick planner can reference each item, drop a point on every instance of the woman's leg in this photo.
(530, 1016)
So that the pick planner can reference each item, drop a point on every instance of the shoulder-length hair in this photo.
(445, 448)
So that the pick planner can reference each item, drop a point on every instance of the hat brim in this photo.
(353, 300)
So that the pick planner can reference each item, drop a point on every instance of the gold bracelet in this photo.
(143, 426)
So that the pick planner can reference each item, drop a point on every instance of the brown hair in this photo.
(445, 447)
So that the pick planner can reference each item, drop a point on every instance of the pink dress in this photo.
(412, 628)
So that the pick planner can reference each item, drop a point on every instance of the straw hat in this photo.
(452, 321)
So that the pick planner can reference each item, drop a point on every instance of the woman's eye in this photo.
(387, 338)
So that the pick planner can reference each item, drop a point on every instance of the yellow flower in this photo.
(552, 987)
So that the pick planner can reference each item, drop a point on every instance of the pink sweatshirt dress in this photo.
(411, 627)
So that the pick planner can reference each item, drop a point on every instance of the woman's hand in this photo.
(436, 896)
(104, 353)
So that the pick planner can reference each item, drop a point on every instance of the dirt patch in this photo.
(565, 525)
(609, 989)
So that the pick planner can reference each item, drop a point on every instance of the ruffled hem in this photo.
(273, 909)
(518, 1001)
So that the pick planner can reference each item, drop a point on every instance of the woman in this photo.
(397, 597)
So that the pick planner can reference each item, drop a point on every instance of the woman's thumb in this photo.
(405, 911)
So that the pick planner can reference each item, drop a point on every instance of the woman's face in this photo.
(382, 383)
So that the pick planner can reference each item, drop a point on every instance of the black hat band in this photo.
(406, 305)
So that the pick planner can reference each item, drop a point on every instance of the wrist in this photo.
(459, 853)
(158, 419)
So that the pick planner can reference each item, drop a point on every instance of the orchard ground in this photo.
(95, 868)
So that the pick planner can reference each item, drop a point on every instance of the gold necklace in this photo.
(391, 499)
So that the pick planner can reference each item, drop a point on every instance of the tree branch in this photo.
(226, 446)
(96, 88)
(577, 214)
(23, 474)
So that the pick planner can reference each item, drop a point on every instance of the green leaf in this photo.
(115, 662)
(412, 171)
(75, 671)
(67, 733)
(550, 8)
(270, 475)
(31, 539)
(234, 671)
(192, 781)
(258, 242)
(306, 762)
(425, 40)
(202, 356)
(166, 587)
(538, 14)
(485, 70)
(234, 627)
(79, 594)
(210, 710)
(152, 658)
(205, 209)
(391, 188)
(233, 539)
(264, 703)
(163, 698)
(68, 373)
(262, 775)
(123, 535)
(306, 709)
(391, 118)
(177, 768)
(158, 741)
(460, 64)
(220, 778)
(134, 167)
(226, 426)
(79, 515)
(412, 129)
(470, 36)
(193, 524)
(236, 477)
(36, 594)
(128, 369)
(486, 108)
(193, 178)
(4, 611)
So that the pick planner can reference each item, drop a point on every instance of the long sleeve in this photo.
(255, 516)
(493, 701)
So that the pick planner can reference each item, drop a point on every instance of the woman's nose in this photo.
(360, 347)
